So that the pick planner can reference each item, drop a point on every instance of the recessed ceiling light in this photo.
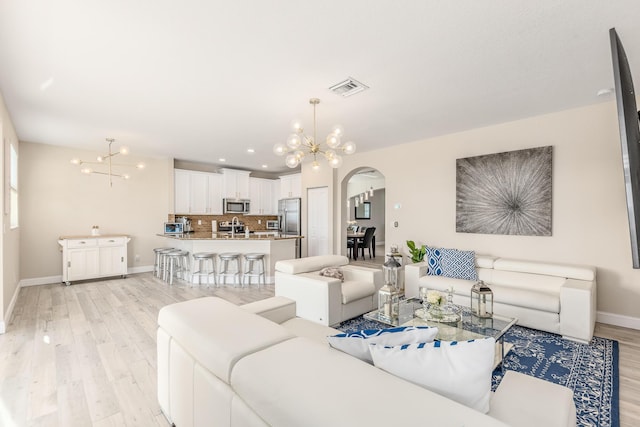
(265, 166)
(604, 92)
(222, 160)
(251, 150)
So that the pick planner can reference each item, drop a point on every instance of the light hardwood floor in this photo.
(85, 355)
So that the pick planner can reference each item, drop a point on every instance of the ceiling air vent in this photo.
(348, 87)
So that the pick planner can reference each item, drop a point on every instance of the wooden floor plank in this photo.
(72, 405)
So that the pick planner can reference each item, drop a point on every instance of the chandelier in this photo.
(300, 145)
(361, 198)
(106, 161)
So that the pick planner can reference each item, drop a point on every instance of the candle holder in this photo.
(388, 303)
(481, 300)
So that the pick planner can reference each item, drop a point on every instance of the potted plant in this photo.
(417, 253)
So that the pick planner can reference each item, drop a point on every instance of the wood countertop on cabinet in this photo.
(89, 236)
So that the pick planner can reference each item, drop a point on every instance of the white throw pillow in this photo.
(460, 371)
(357, 343)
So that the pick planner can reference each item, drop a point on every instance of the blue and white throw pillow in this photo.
(357, 343)
(460, 371)
(459, 264)
(433, 256)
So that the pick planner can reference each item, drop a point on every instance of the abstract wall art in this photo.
(505, 193)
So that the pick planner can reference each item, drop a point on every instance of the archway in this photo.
(362, 205)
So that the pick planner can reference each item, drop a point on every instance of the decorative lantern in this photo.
(481, 300)
(390, 272)
(388, 303)
(389, 295)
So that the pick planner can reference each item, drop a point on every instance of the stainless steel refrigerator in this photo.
(289, 217)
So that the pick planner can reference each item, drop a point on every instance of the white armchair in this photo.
(327, 300)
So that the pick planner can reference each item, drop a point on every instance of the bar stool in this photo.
(175, 264)
(225, 257)
(251, 263)
(159, 260)
(204, 268)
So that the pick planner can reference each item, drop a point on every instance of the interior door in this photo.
(318, 221)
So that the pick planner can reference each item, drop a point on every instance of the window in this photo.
(13, 188)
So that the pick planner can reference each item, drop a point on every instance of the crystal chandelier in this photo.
(300, 145)
(106, 160)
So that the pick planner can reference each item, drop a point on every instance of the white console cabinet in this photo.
(91, 257)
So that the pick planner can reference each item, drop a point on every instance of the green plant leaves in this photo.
(417, 253)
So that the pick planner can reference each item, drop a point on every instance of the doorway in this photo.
(318, 221)
(365, 207)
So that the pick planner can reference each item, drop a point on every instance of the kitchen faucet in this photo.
(234, 221)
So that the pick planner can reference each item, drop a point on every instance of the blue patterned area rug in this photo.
(590, 370)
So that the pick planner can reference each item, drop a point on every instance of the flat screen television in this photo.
(629, 123)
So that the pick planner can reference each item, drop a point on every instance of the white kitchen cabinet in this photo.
(81, 264)
(93, 257)
(215, 194)
(235, 184)
(263, 200)
(197, 192)
(199, 196)
(291, 186)
(182, 191)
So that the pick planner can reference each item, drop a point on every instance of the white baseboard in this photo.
(141, 269)
(7, 315)
(48, 280)
(618, 320)
(35, 281)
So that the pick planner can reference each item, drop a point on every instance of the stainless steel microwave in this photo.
(236, 206)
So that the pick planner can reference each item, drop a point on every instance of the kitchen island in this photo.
(274, 247)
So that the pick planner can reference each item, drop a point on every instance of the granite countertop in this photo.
(225, 236)
(89, 236)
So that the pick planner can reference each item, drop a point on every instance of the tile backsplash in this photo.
(250, 221)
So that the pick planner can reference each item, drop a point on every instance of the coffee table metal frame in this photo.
(467, 328)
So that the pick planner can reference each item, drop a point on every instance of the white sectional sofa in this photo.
(327, 300)
(258, 365)
(556, 298)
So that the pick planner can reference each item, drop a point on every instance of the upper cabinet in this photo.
(235, 184)
(263, 196)
(201, 193)
(182, 191)
(197, 192)
(215, 193)
(291, 186)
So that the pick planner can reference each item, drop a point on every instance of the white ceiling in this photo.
(200, 80)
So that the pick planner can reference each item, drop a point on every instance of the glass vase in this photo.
(435, 311)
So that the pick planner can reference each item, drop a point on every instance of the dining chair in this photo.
(350, 245)
(367, 241)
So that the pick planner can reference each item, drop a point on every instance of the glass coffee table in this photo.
(467, 328)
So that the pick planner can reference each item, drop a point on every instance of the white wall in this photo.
(57, 200)
(589, 210)
(9, 239)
